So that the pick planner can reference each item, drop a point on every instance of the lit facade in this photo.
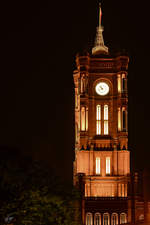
(102, 157)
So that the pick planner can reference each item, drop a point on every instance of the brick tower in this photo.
(102, 158)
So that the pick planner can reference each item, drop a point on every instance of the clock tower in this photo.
(102, 157)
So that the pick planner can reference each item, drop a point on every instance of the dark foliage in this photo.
(31, 194)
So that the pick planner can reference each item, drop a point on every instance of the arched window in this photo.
(76, 100)
(98, 165)
(107, 165)
(89, 219)
(98, 119)
(86, 118)
(119, 83)
(123, 82)
(105, 119)
(119, 119)
(106, 219)
(97, 219)
(114, 219)
(123, 218)
(83, 119)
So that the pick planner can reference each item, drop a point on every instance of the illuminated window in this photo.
(106, 219)
(105, 119)
(123, 218)
(114, 219)
(76, 100)
(105, 112)
(105, 127)
(89, 219)
(83, 119)
(119, 119)
(86, 119)
(107, 165)
(98, 120)
(98, 164)
(123, 189)
(119, 190)
(97, 219)
(126, 190)
(99, 129)
(119, 83)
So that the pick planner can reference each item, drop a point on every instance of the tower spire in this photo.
(100, 15)
(99, 46)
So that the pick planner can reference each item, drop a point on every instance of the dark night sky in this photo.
(38, 43)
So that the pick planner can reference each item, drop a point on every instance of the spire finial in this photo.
(99, 46)
(100, 15)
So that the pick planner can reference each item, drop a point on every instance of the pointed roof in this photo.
(99, 46)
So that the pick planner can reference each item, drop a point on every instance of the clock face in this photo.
(102, 88)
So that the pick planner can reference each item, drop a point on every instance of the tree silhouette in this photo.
(31, 194)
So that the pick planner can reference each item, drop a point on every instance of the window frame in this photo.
(108, 167)
(98, 120)
(102, 119)
(114, 214)
(91, 218)
(108, 218)
(84, 118)
(119, 118)
(97, 214)
(98, 166)
(125, 217)
(119, 83)
(106, 119)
